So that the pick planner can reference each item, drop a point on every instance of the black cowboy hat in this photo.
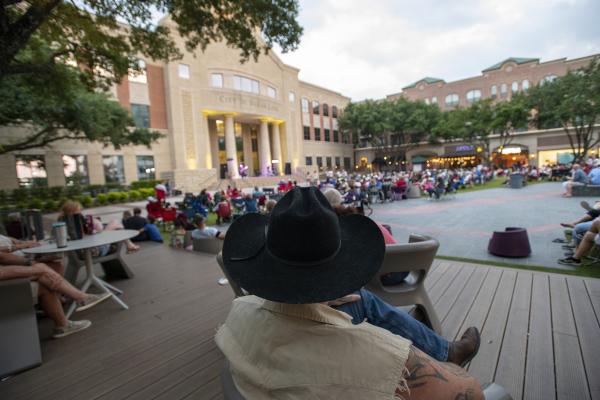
(304, 253)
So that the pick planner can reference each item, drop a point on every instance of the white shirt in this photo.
(206, 233)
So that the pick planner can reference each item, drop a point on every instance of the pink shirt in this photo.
(387, 236)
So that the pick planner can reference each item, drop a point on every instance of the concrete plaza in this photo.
(464, 223)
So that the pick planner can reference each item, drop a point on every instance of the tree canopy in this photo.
(78, 47)
(571, 102)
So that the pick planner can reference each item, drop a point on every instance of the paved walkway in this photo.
(464, 223)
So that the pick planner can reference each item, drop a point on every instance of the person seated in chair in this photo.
(136, 222)
(51, 286)
(205, 232)
(590, 238)
(296, 263)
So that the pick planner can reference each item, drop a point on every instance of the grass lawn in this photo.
(211, 220)
(587, 270)
(494, 184)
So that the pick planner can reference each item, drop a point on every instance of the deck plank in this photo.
(483, 366)
(453, 320)
(570, 373)
(539, 378)
(163, 346)
(588, 331)
(511, 363)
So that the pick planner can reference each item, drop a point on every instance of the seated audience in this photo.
(590, 238)
(152, 231)
(223, 211)
(178, 235)
(250, 204)
(269, 205)
(205, 232)
(136, 222)
(296, 272)
(578, 178)
(51, 286)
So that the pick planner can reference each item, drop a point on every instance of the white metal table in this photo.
(86, 245)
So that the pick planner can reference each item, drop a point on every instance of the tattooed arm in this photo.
(431, 379)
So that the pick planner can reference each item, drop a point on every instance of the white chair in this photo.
(415, 257)
(207, 245)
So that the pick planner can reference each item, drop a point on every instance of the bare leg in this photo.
(52, 280)
(585, 218)
(50, 303)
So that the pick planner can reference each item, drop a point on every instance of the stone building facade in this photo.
(220, 118)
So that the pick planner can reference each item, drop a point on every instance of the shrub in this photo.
(56, 192)
(147, 192)
(146, 184)
(73, 191)
(134, 195)
(19, 195)
(123, 196)
(40, 192)
(101, 199)
(85, 201)
(3, 197)
(113, 197)
(50, 205)
(35, 203)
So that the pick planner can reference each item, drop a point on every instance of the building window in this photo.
(473, 95)
(452, 100)
(138, 72)
(271, 92)
(426, 101)
(246, 84)
(315, 106)
(317, 133)
(434, 100)
(319, 162)
(31, 171)
(347, 163)
(494, 91)
(525, 85)
(76, 170)
(548, 78)
(254, 143)
(334, 112)
(216, 80)
(145, 168)
(325, 110)
(292, 97)
(184, 71)
(306, 130)
(337, 162)
(304, 105)
(113, 169)
(515, 87)
(327, 136)
(336, 136)
(328, 161)
(308, 161)
(503, 90)
(141, 115)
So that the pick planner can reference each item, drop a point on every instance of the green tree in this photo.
(367, 120)
(39, 38)
(508, 117)
(573, 103)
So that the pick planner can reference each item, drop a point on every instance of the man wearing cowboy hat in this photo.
(283, 344)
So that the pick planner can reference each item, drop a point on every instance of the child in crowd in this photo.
(178, 235)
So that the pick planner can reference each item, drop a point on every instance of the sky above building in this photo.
(370, 49)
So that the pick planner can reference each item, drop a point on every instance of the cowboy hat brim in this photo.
(256, 270)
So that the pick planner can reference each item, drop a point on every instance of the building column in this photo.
(247, 141)
(264, 149)
(214, 144)
(230, 148)
(8, 179)
(96, 168)
(54, 168)
(203, 141)
(276, 136)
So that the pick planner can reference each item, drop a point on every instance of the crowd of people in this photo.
(583, 234)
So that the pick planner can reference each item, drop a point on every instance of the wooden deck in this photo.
(540, 333)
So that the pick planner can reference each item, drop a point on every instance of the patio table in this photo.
(86, 245)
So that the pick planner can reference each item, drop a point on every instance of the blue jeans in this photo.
(580, 230)
(377, 312)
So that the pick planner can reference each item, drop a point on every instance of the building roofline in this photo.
(516, 60)
(301, 82)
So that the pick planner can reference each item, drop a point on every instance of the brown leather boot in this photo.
(462, 351)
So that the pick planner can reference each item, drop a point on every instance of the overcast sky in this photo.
(367, 49)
